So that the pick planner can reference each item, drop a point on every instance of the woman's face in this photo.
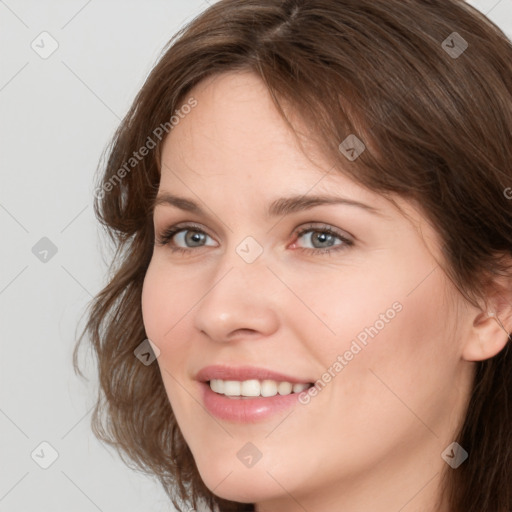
(362, 310)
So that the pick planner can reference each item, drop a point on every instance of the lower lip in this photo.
(247, 409)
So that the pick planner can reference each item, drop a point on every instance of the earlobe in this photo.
(488, 337)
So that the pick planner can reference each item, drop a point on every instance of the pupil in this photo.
(195, 237)
(323, 237)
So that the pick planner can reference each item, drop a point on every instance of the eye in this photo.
(184, 234)
(323, 239)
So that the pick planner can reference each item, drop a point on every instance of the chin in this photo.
(248, 492)
(242, 485)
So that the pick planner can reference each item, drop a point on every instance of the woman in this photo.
(310, 204)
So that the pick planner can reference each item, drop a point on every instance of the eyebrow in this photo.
(281, 206)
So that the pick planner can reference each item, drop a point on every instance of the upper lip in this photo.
(242, 373)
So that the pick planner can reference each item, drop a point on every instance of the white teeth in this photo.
(250, 388)
(268, 388)
(285, 388)
(217, 385)
(253, 387)
(232, 387)
(297, 388)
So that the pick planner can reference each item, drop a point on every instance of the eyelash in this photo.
(167, 235)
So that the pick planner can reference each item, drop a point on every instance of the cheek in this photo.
(407, 362)
(345, 316)
(152, 305)
(378, 338)
(166, 306)
(164, 315)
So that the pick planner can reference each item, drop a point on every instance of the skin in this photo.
(372, 438)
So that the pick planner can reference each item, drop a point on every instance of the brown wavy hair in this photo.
(437, 127)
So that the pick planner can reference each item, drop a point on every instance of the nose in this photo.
(239, 303)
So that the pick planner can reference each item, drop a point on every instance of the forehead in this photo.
(236, 133)
(236, 143)
(234, 120)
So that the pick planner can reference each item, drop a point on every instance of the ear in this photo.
(492, 325)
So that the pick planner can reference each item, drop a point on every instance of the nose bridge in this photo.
(239, 297)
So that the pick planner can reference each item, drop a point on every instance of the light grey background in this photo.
(56, 116)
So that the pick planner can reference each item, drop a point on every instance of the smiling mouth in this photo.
(256, 388)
